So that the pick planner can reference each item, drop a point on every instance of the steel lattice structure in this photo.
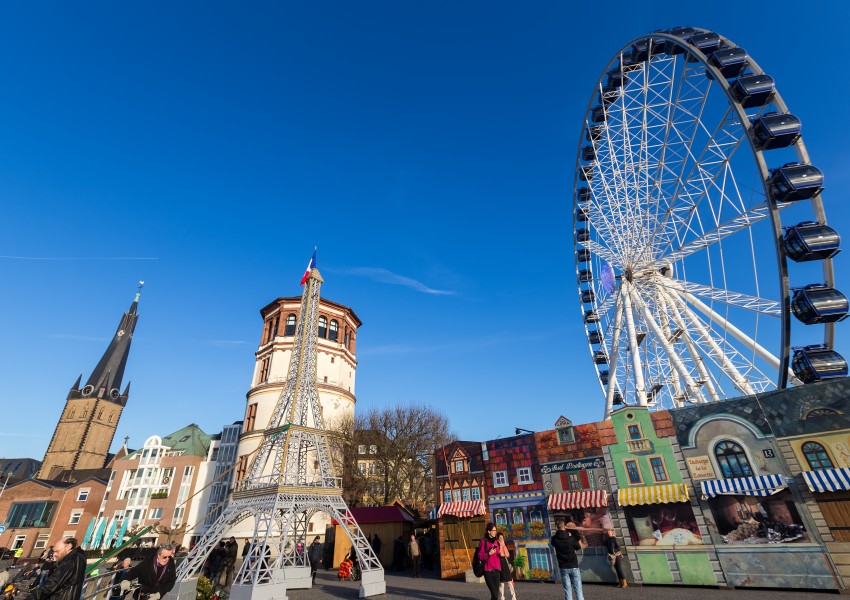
(675, 223)
(289, 480)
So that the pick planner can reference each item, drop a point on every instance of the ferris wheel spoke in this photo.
(614, 356)
(601, 251)
(640, 386)
(745, 301)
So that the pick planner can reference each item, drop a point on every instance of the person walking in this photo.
(565, 544)
(314, 554)
(66, 580)
(19, 552)
(377, 544)
(488, 553)
(232, 548)
(217, 560)
(415, 555)
(156, 575)
(615, 557)
(507, 569)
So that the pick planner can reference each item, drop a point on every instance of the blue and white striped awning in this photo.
(761, 485)
(828, 480)
(434, 514)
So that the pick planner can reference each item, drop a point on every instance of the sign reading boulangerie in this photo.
(573, 465)
(700, 467)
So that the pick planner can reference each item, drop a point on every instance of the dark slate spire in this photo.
(105, 380)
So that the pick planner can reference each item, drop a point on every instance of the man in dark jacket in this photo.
(314, 554)
(66, 580)
(156, 575)
(565, 544)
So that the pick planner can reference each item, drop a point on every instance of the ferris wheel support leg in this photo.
(674, 358)
(614, 358)
(640, 385)
(670, 306)
(739, 335)
(715, 350)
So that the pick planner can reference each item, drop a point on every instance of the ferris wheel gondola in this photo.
(689, 164)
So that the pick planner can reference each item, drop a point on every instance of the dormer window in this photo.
(565, 435)
(459, 466)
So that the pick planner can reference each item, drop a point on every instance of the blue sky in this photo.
(426, 148)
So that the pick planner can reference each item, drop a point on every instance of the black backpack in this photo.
(477, 565)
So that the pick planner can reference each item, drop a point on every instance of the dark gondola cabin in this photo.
(603, 377)
(583, 195)
(753, 90)
(817, 303)
(617, 399)
(594, 337)
(582, 235)
(594, 133)
(588, 153)
(581, 215)
(616, 78)
(681, 32)
(706, 42)
(811, 241)
(585, 276)
(591, 316)
(794, 181)
(588, 296)
(600, 358)
(816, 363)
(775, 130)
(586, 173)
(643, 49)
(597, 115)
(583, 255)
(731, 62)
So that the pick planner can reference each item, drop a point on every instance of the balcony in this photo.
(639, 446)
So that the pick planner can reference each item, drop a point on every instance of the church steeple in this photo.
(105, 380)
(88, 422)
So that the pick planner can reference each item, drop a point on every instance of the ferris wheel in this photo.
(693, 189)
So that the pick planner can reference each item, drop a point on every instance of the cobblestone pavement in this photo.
(431, 588)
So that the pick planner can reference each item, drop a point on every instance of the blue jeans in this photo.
(571, 579)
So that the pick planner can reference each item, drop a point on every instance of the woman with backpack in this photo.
(488, 554)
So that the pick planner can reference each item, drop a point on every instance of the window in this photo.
(41, 541)
(500, 479)
(241, 467)
(361, 466)
(456, 495)
(361, 449)
(501, 517)
(476, 493)
(523, 475)
(30, 514)
(458, 466)
(633, 472)
(83, 494)
(251, 417)
(659, 473)
(447, 495)
(76, 515)
(373, 468)
(821, 412)
(465, 496)
(732, 459)
(535, 515)
(574, 480)
(334, 331)
(517, 516)
(565, 435)
(323, 327)
(289, 330)
(538, 558)
(373, 449)
(816, 456)
(634, 432)
(156, 513)
(265, 369)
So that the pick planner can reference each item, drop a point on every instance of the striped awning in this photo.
(761, 485)
(828, 480)
(653, 494)
(470, 508)
(586, 499)
(433, 514)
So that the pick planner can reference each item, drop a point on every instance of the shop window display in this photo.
(758, 520)
(592, 522)
(663, 525)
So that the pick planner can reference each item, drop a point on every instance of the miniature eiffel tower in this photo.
(289, 480)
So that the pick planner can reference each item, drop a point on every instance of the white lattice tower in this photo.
(290, 479)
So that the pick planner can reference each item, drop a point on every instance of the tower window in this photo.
(816, 456)
(276, 325)
(290, 326)
(334, 331)
(323, 327)
(250, 417)
(241, 467)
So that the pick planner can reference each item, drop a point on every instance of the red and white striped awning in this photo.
(470, 508)
(586, 499)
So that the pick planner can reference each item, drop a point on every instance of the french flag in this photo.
(310, 266)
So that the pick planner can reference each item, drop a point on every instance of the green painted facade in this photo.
(624, 421)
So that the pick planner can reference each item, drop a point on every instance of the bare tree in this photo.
(343, 450)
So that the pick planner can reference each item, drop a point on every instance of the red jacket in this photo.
(492, 562)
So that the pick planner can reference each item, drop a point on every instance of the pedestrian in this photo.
(232, 551)
(615, 557)
(118, 577)
(488, 553)
(565, 544)
(426, 544)
(216, 562)
(414, 554)
(377, 544)
(19, 552)
(507, 569)
(4, 577)
(398, 554)
(66, 580)
(314, 554)
(156, 575)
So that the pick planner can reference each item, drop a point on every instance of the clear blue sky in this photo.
(426, 148)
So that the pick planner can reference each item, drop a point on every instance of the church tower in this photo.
(88, 422)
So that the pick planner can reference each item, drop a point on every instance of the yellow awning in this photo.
(654, 494)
